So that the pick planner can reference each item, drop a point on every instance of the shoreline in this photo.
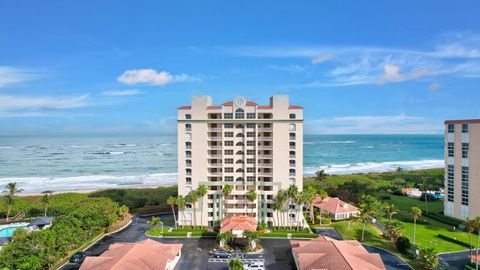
(151, 186)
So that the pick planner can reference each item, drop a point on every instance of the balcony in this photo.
(265, 174)
(264, 165)
(291, 174)
(265, 139)
(214, 165)
(214, 147)
(214, 156)
(265, 147)
(215, 139)
(292, 156)
(265, 129)
(292, 138)
(265, 156)
(215, 173)
(214, 129)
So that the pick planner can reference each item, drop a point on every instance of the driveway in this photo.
(456, 260)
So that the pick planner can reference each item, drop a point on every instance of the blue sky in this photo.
(121, 67)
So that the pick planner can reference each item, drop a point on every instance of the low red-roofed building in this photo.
(145, 255)
(336, 208)
(238, 224)
(324, 253)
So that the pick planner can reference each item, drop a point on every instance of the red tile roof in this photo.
(327, 253)
(148, 254)
(334, 205)
(230, 103)
(213, 107)
(184, 107)
(295, 107)
(243, 223)
(264, 107)
(466, 121)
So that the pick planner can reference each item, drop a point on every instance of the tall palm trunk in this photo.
(312, 217)
(8, 212)
(363, 230)
(174, 217)
(46, 207)
(414, 230)
(470, 242)
(201, 211)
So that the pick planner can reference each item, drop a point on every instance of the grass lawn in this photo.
(178, 232)
(295, 234)
(427, 234)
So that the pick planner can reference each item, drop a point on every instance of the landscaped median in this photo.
(284, 234)
(169, 232)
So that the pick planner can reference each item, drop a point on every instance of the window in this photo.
(240, 135)
(240, 179)
(188, 162)
(228, 143)
(251, 116)
(239, 161)
(239, 144)
(292, 145)
(228, 116)
(292, 163)
(240, 153)
(188, 180)
(188, 116)
(239, 114)
(251, 169)
(229, 161)
(228, 125)
(451, 128)
(464, 128)
(188, 127)
(250, 134)
(250, 161)
(188, 171)
(451, 149)
(250, 178)
(292, 116)
(292, 135)
(188, 137)
(228, 178)
(465, 185)
(250, 143)
(250, 152)
(188, 145)
(292, 172)
(292, 153)
(240, 126)
(240, 170)
(464, 150)
(188, 154)
(450, 182)
(229, 169)
(228, 152)
(250, 125)
(228, 134)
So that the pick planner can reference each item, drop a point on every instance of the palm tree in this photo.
(281, 199)
(11, 189)
(253, 237)
(235, 264)
(416, 213)
(192, 198)
(301, 200)
(292, 193)
(322, 194)
(364, 217)
(201, 192)
(172, 201)
(429, 258)
(155, 221)
(224, 238)
(251, 197)
(277, 206)
(390, 210)
(123, 210)
(181, 206)
(394, 229)
(320, 175)
(309, 196)
(227, 190)
(470, 227)
(46, 200)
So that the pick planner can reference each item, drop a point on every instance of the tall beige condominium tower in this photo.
(242, 144)
(462, 168)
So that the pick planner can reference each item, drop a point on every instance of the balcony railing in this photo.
(215, 173)
(214, 129)
(265, 139)
(214, 147)
(265, 129)
(216, 139)
(265, 147)
(265, 156)
(214, 165)
(214, 155)
(265, 174)
(264, 165)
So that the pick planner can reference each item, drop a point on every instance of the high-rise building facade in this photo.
(244, 145)
(462, 168)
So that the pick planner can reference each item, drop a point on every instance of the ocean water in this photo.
(76, 163)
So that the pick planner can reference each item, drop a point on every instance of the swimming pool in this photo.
(8, 232)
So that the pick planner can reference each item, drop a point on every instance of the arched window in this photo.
(188, 127)
(188, 154)
(240, 153)
(292, 116)
(239, 161)
(240, 170)
(188, 145)
(240, 126)
(292, 172)
(240, 135)
(188, 116)
(188, 180)
(189, 162)
(240, 144)
(239, 114)
(292, 153)
(188, 171)
(292, 144)
(240, 179)
(292, 162)
(292, 135)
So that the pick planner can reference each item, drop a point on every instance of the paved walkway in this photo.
(456, 260)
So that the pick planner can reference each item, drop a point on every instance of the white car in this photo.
(254, 266)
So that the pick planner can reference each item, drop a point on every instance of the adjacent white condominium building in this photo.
(242, 144)
(462, 168)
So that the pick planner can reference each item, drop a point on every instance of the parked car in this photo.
(238, 255)
(254, 266)
(221, 254)
(78, 257)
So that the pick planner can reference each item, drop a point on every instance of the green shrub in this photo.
(456, 241)
(404, 245)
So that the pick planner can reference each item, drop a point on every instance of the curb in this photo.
(389, 253)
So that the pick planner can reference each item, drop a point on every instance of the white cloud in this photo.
(322, 58)
(122, 93)
(389, 124)
(392, 74)
(10, 75)
(152, 77)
